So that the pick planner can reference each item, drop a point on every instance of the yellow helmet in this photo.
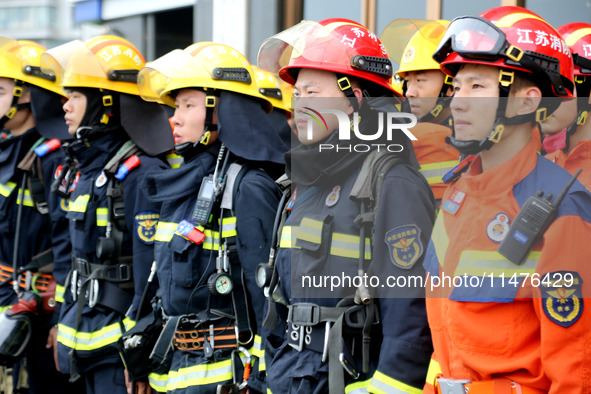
(103, 62)
(20, 60)
(411, 43)
(273, 88)
(204, 65)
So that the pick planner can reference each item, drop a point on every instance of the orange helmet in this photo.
(511, 38)
(337, 45)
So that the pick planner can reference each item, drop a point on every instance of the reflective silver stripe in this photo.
(7, 189)
(385, 384)
(310, 230)
(80, 204)
(158, 382)
(28, 199)
(102, 216)
(434, 172)
(88, 340)
(165, 231)
(484, 262)
(202, 374)
(345, 245)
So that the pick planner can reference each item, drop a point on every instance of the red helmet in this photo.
(338, 45)
(578, 37)
(510, 38)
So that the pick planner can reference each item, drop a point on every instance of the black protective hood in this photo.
(147, 124)
(48, 111)
(307, 165)
(246, 130)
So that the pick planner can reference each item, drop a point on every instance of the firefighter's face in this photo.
(189, 116)
(475, 101)
(17, 122)
(422, 90)
(314, 91)
(75, 108)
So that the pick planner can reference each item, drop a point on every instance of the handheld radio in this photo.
(531, 222)
(205, 202)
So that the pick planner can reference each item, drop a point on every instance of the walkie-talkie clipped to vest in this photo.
(530, 224)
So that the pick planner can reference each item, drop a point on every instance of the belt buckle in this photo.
(124, 272)
(453, 386)
(304, 314)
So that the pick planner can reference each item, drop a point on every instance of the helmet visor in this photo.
(472, 37)
(399, 33)
(54, 61)
(316, 44)
(156, 78)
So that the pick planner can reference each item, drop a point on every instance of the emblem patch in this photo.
(562, 300)
(101, 180)
(497, 228)
(333, 196)
(409, 54)
(405, 245)
(145, 224)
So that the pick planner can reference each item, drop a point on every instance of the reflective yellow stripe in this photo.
(4, 308)
(202, 374)
(6, 190)
(357, 387)
(510, 19)
(257, 348)
(440, 239)
(479, 263)
(310, 230)
(288, 237)
(345, 245)
(80, 204)
(229, 227)
(59, 293)
(128, 323)
(102, 216)
(165, 231)
(433, 371)
(434, 172)
(28, 199)
(174, 160)
(88, 340)
(158, 382)
(576, 36)
(384, 384)
(258, 352)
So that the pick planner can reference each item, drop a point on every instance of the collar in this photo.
(503, 176)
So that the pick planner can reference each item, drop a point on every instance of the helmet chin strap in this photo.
(208, 126)
(472, 147)
(15, 106)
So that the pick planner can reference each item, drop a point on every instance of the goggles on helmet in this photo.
(475, 38)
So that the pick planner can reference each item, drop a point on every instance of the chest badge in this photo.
(101, 180)
(454, 201)
(497, 228)
(333, 196)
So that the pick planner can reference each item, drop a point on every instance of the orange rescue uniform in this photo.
(578, 157)
(499, 326)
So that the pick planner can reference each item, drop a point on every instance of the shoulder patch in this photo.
(145, 225)
(561, 297)
(404, 244)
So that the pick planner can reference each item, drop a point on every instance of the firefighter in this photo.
(34, 226)
(523, 329)
(321, 340)
(217, 213)
(411, 43)
(574, 154)
(117, 139)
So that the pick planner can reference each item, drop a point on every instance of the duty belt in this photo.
(491, 386)
(204, 336)
(103, 287)
(39, 280)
